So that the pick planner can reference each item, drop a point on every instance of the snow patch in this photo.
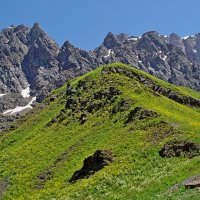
(194, 50)
(188, 36)
(185, 37)
(165, 57)
(20, 108)
(110, 52)
(1, 95)
(7, 41)
(133, 39)
(26, 92)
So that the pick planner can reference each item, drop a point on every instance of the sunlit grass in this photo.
(138, 172)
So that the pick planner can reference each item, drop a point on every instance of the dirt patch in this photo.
(140, 113)
(93, 164)
(3, 187)
(180, 148)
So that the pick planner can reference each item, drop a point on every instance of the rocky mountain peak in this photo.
(111, 41)
(151, 36)
(35, 32)
(175, 40)
(65, 52)
(29, 57)
(67, 47)
(152, 42)
(75, 59)
(122, 37)
(174, 36)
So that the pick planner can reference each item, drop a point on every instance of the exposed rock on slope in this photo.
(180, 148)
(92, 164)
(140, 114)
(155, 87)
(28, 56)
(190, 183)
(24, 56)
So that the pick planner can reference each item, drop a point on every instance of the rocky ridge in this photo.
(30, 59)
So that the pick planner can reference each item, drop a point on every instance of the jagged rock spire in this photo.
(35, 32)
(111, 41)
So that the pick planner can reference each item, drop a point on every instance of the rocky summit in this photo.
(32, 64)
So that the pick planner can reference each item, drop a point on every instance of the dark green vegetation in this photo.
(115, 108)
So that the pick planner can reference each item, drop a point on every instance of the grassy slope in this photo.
(138, 172)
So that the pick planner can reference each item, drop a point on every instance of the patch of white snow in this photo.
(20, 108)
(1, 95)
(133, 39)
(165, 57)
(110, 52)
(194, 50)
(185, 37)
(26, 92)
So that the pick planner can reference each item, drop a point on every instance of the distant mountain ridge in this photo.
(30, 59)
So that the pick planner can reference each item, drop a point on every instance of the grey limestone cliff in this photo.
(30, 60)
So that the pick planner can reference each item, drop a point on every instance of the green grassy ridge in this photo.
(138, 172)
(182, 90)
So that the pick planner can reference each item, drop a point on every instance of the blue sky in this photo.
(85, 23)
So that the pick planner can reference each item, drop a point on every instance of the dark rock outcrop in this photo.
(189, 101)
(140, 113)
(92, 164)
(109, 93)
(180, 148)
(122, 105)
(70, 103)
(83, 118)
